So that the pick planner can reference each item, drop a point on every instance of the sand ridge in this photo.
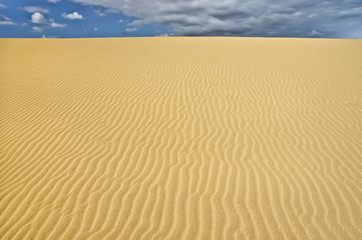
(180, 138)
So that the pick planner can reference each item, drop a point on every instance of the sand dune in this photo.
(180, 138)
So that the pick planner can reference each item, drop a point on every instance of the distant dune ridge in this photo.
(180, 138)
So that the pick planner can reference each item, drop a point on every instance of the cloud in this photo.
(33, 9)
(54, 1)
(106, 11)
(72, 16)
(99, 13)
(112, 10)
(162, 35)
(350, 13)
(2, 6)
(38, 29)
(121, 21)
(297, 18)
(95, 29)
(131, 29)
(136, 23)
(315, 33)
(58, 25)
(38, 18)
(6, 21)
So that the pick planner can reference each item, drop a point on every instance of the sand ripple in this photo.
(180, 138)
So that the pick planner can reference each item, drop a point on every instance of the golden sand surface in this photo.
(180, 138)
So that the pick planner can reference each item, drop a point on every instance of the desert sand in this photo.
(180, 138)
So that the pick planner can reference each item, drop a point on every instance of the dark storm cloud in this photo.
(295, 18)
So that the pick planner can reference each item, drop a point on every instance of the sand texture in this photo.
(180, 138)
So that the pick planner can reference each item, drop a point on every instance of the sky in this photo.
(141, 18)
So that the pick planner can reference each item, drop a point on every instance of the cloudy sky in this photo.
(128, 18)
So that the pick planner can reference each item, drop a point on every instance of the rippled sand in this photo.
(180, 138)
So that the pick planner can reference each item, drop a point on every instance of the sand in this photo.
(180, 138)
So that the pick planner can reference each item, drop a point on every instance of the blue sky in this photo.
(97, 21)
(136, 18)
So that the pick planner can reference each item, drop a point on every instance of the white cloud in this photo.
(99, 13)
(6, 21)
(58, 25)
(2, 6)
(38, 18)
(54, 1)
(32, 9)
(95, 29)
(38, 29)
(72, 16)
(53, 24)
(136, 23)
(131, 29)
(120, 21)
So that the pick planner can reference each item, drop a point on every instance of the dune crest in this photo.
(180, 138)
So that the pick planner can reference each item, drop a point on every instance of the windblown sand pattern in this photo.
(180, 138)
